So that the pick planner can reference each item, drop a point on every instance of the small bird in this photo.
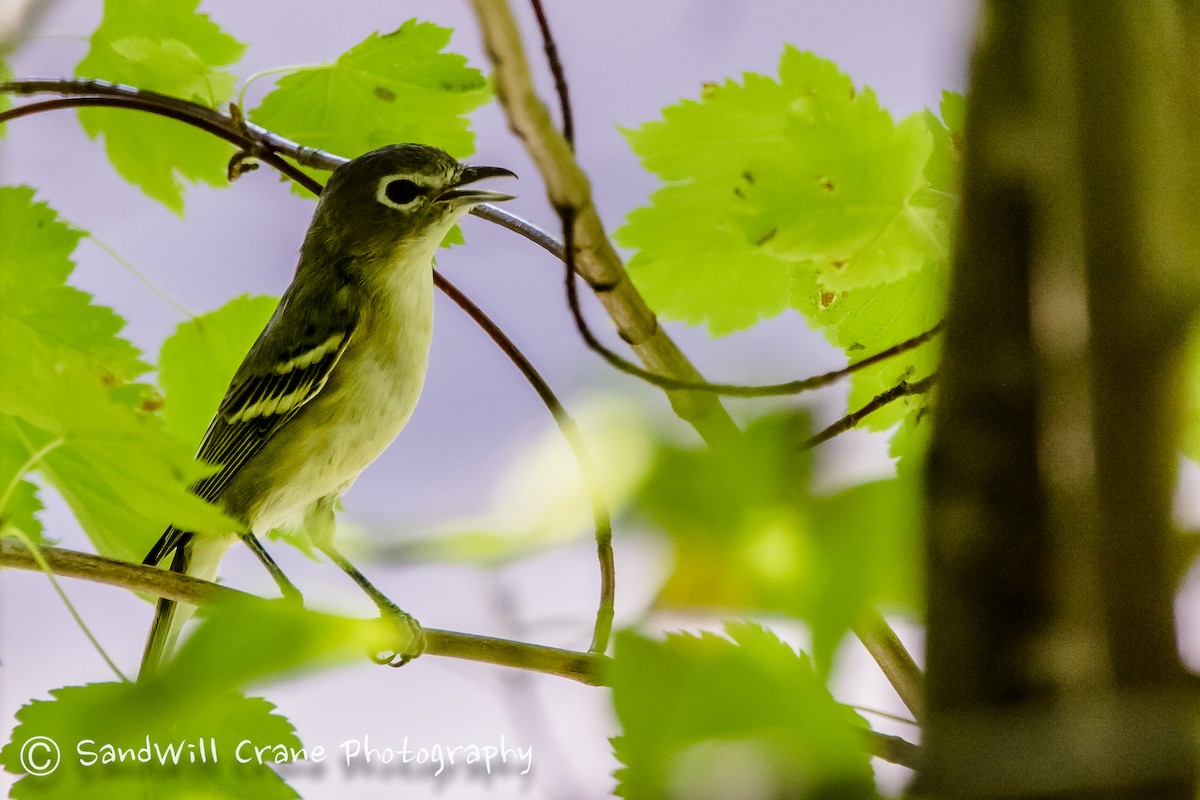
(335, 374)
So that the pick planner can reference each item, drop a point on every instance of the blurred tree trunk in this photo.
(1052, 664)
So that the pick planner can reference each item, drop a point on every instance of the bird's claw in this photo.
(417, 642)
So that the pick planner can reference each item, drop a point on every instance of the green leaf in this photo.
(195, 698)
(238, 643)
(34, 266)
(774, 180)
(19, 502)
(910, 442)
(694, 265)
(866, 320)
(954, 113)
(21, 511)
(749, 537)
(165, 46)
(197, 362)
(736, 520)
(155, 724)
(394, 87)
(868, 544)
(705, 716)
(62, 373)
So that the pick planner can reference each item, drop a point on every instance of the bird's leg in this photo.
(389, 610)
(285, 585)
(319, 523)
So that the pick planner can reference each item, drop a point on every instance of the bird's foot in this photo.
(410, 631)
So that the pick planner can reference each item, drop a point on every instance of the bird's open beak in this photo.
(458, 194)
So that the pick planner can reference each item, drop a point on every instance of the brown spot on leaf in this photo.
(766, 237)
(827, 299)
(838, 263)
(749, 176)
(708, 89)
(151, 403)
(384, 93)
(826, 184)
(738, 191)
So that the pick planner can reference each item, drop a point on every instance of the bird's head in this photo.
(401, 196)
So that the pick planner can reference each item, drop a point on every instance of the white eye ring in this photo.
(400, 191)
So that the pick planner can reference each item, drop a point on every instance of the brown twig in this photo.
(556, 69)
(901, 389)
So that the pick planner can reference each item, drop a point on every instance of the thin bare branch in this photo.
(583, 667)
(895, 662)
(901, 389)
(570, 431)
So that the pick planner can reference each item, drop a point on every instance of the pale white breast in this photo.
(367, 402)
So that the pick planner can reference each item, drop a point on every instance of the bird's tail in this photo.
(190, 555)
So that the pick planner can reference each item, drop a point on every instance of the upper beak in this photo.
(475, 196)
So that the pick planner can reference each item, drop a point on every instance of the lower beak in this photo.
(458, 194)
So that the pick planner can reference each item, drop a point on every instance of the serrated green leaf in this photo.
(34, 266)
(178, 743)
(865, 321)
(199, 359)
(729, 286)
(910, 442)
(771, 179)
(19, 502)
(749, 537)
(238, 643)
(21, 510)
(953, 110)
(62, 368)
(700, 714)
(394, 87)
(168, 47)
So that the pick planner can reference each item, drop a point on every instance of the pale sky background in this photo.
(624, 60)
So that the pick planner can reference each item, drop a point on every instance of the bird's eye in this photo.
(402, 192)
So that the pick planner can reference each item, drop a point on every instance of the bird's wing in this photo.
(286, 368)
(281, 373)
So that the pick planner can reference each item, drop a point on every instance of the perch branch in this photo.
(583, 667)
(586, 668)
